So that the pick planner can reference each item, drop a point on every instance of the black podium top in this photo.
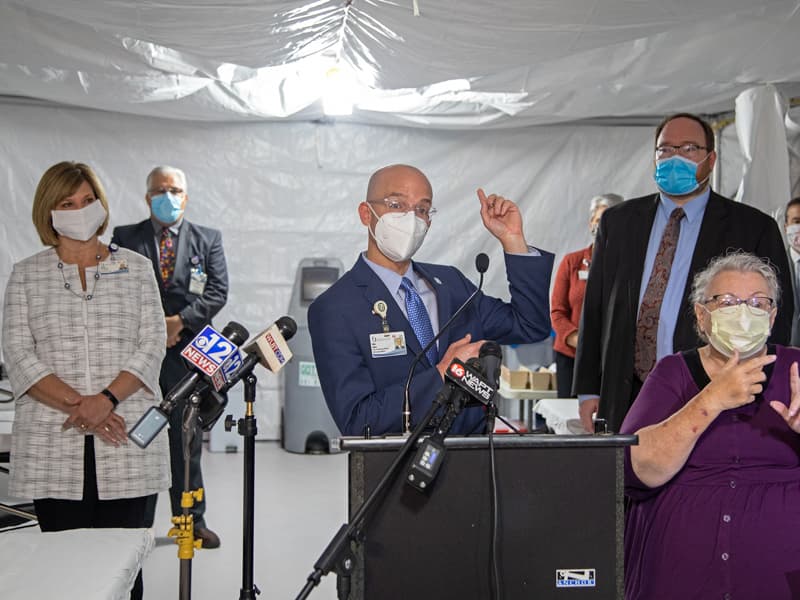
(505, 440)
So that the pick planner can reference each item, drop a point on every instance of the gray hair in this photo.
(604, 201)
(167, 170)
(739, 262)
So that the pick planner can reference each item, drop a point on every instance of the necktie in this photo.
(647, 323)
(166, 250)
(419, 319)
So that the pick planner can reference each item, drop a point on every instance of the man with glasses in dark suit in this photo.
(189, 262)
(646, 254)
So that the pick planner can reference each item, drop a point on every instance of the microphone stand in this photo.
(247, 427)
(338, 555)
(481, 263)
(183, 532)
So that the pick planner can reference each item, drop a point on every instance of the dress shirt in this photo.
(392, 282)
(673, 295)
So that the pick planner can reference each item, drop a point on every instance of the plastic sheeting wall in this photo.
(282, 192)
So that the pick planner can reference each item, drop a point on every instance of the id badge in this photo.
(197, 281)
(113, 266)
(391, 343)
(583, 275)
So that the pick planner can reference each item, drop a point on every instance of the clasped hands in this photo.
(94, 414)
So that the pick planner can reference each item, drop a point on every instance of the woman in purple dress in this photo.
(714, 484)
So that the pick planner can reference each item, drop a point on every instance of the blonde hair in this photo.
(58, 182)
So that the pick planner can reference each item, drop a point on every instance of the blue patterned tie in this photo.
(419, 319)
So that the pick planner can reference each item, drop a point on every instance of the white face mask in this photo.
(80, 224)
(793, 235)
(399, 235)
(739, 328)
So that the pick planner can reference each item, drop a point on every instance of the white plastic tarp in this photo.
(459, 63)
(760, 118)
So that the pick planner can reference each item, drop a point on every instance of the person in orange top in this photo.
(567, 299)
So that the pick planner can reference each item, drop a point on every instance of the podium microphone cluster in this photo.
(217, 364)
(481, 265)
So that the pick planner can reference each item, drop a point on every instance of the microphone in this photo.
(462, 381)
(216, 357)
(269, 348)
(270, 345)
(207, 353)
(210, 354)
(481, 265)
(491, 357)
(469, 378)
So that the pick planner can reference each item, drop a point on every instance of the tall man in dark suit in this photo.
(646, 254)
(367, 328)
(190, 268)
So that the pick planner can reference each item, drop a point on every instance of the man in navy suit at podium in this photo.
(368, 327)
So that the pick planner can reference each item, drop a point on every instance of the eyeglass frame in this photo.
(428, 212)
(745, 301)
(686, 149)
(163, 190)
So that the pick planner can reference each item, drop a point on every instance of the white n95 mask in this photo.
(399, 235)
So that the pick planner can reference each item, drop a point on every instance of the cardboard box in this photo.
(517, 379)
(541, 381)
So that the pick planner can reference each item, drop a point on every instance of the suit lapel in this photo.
(374, 289)
(639, 226)
(182, 258)
(147, 247)
(712, 235)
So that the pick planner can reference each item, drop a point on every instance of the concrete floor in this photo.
(300, 504)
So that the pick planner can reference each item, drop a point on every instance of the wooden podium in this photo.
(560, 520)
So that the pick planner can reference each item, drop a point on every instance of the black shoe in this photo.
(210, 539)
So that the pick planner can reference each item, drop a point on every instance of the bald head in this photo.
(398, 180)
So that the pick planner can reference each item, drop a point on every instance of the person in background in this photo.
(636, 309)
(791, 225)
(566, 300)
(368, 327)
(83, 340)
(189, 264)
(714, 482)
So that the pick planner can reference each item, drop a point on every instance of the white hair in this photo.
(167, 170)
(604, 201)
(737, 262)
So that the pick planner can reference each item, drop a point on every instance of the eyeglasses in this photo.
(171, 190)
(688, 149)
(395, 204)
(728, 300)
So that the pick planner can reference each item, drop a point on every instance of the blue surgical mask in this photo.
(166, 207)
(677, 176)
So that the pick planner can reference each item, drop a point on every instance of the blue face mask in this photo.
(166, 207)
(677, 176)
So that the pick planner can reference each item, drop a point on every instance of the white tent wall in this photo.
(281, 192)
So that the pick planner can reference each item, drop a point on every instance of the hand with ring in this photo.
(112, 430)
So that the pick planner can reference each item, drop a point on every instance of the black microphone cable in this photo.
(481, 265)
(491, 357)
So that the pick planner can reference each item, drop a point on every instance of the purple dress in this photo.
(727, 526)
